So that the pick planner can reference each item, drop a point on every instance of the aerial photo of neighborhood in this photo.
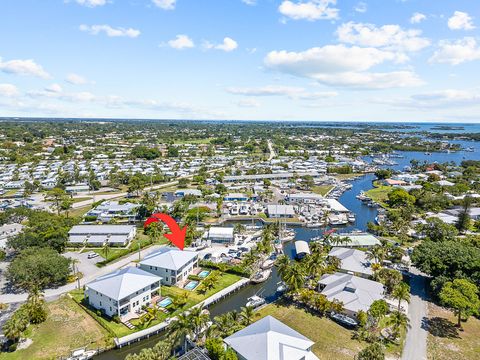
(165, 205)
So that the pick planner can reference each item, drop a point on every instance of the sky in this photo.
(324, 60)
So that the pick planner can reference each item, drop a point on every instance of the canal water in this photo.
(364, 214)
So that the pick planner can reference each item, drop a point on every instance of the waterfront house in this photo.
(270, 339)
(185, 192)
(235, 197)
(221, 235)
(171, 264)
(356, 293)
(109, 210)
(122, 292)
(97, 235)
(280, 211)
(352, 261)
(362, 240)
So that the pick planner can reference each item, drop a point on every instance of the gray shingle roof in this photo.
(169, 258)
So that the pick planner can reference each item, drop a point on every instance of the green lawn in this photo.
(332, 341)
(67, 327)
(379, 194)
(322, 189)
(194, 297)
(445, 341)
(80, 199)
(194, 141)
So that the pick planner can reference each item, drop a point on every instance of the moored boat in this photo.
(255, 301)
(261, 276)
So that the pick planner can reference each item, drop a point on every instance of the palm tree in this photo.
(199, 319)
(282, 264)
(294, 277)
(75, 270)
(36, 305)
(181, 327)
(401, 292)
(315, 264)
(377, 253)
(13, 328)
(397, 320)
(246, 313)
(106, 248)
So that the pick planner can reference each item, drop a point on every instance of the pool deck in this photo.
(156, 329)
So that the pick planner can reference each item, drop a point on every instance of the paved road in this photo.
(91, 272)
(416, 342)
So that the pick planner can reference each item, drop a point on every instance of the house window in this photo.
(100, 303)
(156, 268)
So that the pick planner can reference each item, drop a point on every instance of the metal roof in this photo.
(169, 258)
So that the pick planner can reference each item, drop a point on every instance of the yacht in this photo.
(267, 264)
(255, 301)
(351, 217)
(261, 276)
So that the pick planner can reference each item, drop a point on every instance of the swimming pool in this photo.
(203, 274)
(191, 285)
(165, 302)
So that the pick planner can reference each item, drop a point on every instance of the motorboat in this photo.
(82, 354)
(344, 319)
(282, 287)
(267, 264)
(261, 276)
(255, 301)
(351, 217)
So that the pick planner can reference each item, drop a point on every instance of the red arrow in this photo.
(177, 237)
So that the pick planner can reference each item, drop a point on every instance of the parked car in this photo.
(92, 255)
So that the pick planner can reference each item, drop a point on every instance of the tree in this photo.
(215, 348)
(246, 313)
(464, 221)
(58, 197)
(460, 295)
(378, 309)
(399, 197)
(397, 320)
(401, 292)
(39, 267)
(37, 312)
(389, 277)
(106, 249)
(383, 174)
(371, 352)
(161, 351)
(294, 277)
(437, 230)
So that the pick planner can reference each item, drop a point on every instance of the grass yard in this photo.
(67, 327)
(332, 341)
(79, 211)
(446, 341)
(80, 199)
(379, 194)
(347, 176)
(194, 141)
(322, 189)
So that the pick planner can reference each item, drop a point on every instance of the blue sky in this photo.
(344, 60)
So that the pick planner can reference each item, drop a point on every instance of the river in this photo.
(364, 214)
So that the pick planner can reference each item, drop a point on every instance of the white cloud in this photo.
(417, 18)
(91, 3)
(250, 2)
(54, 88)
(309, 10)
(437, 99)
(279, 90)
(165, 4)
(8, 90)
(23, 67)
(76, 79)
(181, 42)
(390, 37)
(339, 65)
(228, 45)
(248, 103)
(456, 52)
(361, 7)
(110, 31)
(461, 21)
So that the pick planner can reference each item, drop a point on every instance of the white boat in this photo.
(281, 287)
(82, 354)
(351, 217)
(344, 319)
(267, 264)
(261, 276)
(255, 301)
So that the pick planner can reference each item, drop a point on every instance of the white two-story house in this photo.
(122, 292)
(171, 264)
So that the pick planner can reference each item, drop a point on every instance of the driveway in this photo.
(416, 342)
(91, 272)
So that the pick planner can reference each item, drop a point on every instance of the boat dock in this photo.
(156, 329)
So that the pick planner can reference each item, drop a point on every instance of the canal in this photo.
(364, 214)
